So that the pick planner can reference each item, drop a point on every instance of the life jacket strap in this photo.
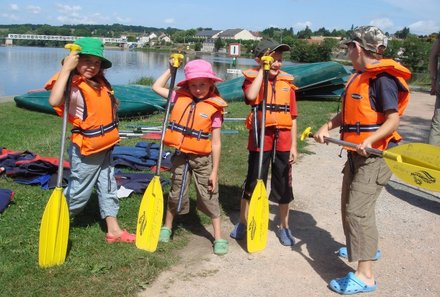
(96, 132)
(275, 107)
(173, 126)
(358, 128)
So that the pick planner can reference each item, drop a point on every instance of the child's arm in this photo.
(392, 120)
(160, 83)
(335, 122)
(254, 89)
(56, 97)
(293, 148)
(216, 150)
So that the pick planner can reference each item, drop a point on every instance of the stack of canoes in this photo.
(314, 80)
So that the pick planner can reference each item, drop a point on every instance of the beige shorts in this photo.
(361, 186)
(200, 167)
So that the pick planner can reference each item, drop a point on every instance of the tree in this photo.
(402, 34)
(305, 34)
(218, 44)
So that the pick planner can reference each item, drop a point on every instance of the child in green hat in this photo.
(92, 112)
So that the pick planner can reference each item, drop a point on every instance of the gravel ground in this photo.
(408, 220)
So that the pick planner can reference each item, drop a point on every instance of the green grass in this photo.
(93, 267)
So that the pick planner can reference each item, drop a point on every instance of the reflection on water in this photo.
(28, 68)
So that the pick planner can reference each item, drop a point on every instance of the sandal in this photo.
(343, 253)
(350, 284)
(285, 237)
(124, 237)
(238, 232)
(221, 247)
(165, 234)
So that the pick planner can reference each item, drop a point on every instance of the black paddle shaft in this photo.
(165, 119)
(263, 121)
(67, 92)
(369, 150)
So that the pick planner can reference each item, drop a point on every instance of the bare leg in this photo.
(244, 206)
(365, 272)
(113, 228)
(169, 219)
(284, 215)
(216, 224)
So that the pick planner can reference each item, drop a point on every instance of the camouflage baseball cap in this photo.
(268, 44)
(369, 38)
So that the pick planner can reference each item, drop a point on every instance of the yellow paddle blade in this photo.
(150, 216)
(258, 219)
(415, 175)
(420, 154)
(54, 231)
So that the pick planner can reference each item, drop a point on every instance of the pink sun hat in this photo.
(198, 69)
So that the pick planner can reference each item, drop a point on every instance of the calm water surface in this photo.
(28, 68)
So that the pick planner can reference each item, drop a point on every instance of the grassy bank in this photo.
(92, 266)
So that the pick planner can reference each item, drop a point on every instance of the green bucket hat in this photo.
(93, 47)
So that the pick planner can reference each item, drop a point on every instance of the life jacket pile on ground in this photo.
(25, 167)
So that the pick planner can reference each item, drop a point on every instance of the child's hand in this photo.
(71, 61)
(212, 182)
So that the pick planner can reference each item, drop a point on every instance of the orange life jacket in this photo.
(359, 119)
(277, 102)
(190, 123)
(98, 129)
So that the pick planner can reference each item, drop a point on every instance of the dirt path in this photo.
(408, 220)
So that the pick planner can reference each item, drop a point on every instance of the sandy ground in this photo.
(408, 220)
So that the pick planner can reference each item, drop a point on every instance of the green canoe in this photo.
(314, 80)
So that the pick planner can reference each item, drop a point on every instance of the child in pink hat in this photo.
(194, 131)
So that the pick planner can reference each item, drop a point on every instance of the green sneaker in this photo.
(165, 234)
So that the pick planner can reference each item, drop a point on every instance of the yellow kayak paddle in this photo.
(258, 213)
(54, 227)
(417, 164)
(151, 208)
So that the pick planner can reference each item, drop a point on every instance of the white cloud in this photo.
(302, 25)
(13, 7)
(382, 23)
(10, 16)
(424, 27)
(169, 21)
(34, 9)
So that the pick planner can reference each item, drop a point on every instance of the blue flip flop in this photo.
(350, 284)
(343, 253)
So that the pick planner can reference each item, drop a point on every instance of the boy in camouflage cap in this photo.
(374, 99)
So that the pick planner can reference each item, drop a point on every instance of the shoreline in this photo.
(4, 99)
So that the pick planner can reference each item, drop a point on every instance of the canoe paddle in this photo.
(150, 214)
(54, 227)
(258, 213)
(417, 164)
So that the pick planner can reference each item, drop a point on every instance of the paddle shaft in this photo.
(165, 119)
(263, 120)
(183, 186)
(369, 150)
(63, 132)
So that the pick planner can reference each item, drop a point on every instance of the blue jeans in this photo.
(86, 172)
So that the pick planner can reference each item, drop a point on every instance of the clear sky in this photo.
(421, 16)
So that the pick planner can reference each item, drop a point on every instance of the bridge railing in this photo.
(61, 38)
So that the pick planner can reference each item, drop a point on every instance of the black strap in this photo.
(173, 126)
(358, 128)
(96, 132)
(275, 107)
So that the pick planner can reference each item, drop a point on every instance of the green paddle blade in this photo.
(258, 219)
(150, 216)
(54, 231)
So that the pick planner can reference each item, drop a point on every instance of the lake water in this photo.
(28, 68)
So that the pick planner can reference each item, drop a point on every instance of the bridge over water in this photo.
(11, 37)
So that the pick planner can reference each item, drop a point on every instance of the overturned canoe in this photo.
(314, 80)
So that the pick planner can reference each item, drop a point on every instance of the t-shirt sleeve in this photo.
(384, 93)
(246, 84)
(293, 109)
(217, 120)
